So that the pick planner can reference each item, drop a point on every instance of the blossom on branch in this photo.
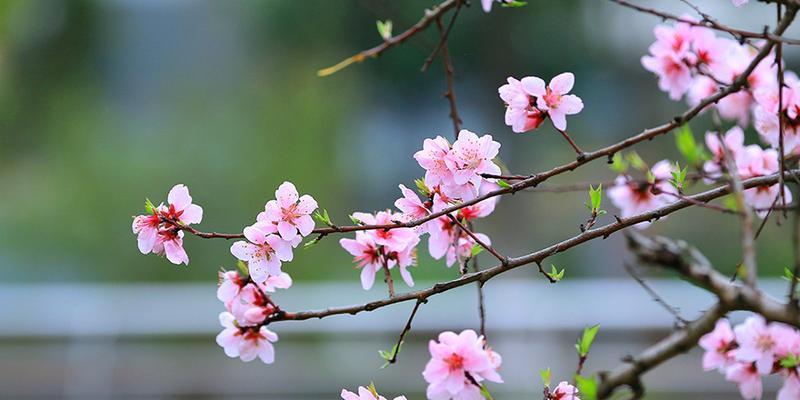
(290, 213)
(264, 251)
(458, 365)
(633, 197)
(159, 231)
(529, 101)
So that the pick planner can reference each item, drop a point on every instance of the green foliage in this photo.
(485, 393)
(422, 188)
(555, 273)
(372, 389)
(694, 153)
(243, 268)
(547, 376)
(514, 3)
(503, 184)
(586, 339)
(619, 164)
(595, 200)
(384, 28)
(355, 220)
(587, 387)
(476, 249)
(679, 176)
(149, 207)
(387, 356)
(323, 217)
(635, 161)
(790, 361)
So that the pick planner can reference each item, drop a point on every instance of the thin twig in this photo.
(443, 37)
(405, 331)
(503, 259)
(449, 74)
(656, 297)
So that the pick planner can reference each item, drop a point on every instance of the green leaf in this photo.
(323, 217)
(388, 355)
(651, 177)
(555, 273)
(790, 361)
(678, 176)
(503, 184)
(587, 387)
(635, 161)
(595, 198)
(243, 268)
(586, 339)
(476, 249)
(311, 242)
(384, 28)
(619, 164)
(422, 188)
(514, 3)
(372, 389)
(547, 376)
(149, 207)
(730, 203)
(485, 393)
(788, 274)
(355, 220)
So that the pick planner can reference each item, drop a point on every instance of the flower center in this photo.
(764, 342)
(454, 362)
(290, 213)
(552, 99)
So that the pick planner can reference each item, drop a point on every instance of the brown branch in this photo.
(449, 74)
(405, 331)
(656, 297)
(535, 257)
(387, 277)
(429, 17)
(503, 259)
(706, 22)
(443, 36)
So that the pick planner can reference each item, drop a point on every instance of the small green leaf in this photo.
(587, 387)
(730, 203)
(243, 268)
(485, 393)
(636, 162)
(547, 376)
(678, 176)
(788, 274)
(503, 184)
(422, 188)
(476, 249)
(555, 273)
(372, 389)
(323, 217)
(619, 164)
(586, 339)
(790, 361)
(513, 3)
(355, 220)
(388, 355)
(384, 29)
(149, 207)
(311, 242)
(595, 198)
(651, 178)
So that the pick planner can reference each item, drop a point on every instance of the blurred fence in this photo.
(157, 340)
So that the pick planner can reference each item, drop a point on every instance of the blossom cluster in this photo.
(754, 349)
(160, 231)
(458, 365)
(453, 173)
(529, 102)
(277, 231)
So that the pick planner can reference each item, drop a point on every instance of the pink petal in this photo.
(287, 230)
(192, 214)
(559, 119)
(562, 83)
(534, 86)
(286, 194)
(179, 197)
(254, 234)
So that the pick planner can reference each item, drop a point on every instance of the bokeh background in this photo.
(105, 103)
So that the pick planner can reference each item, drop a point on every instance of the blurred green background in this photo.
(104, 103)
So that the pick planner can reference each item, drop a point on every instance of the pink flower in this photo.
(565, 391)
(289, 213)
(263, 253)
(757, 342)
(748, 379)
(432, 159)
(447, 239)
(456, 362)
(739, 3)
(229, 285)
(170, 243)
(718, 345)
(246, 343)
(365, 394)
(633, 198)
(160, 233)
(395, 239)
(733, 140)
(675, 40)
(413, 208)
(367, 256)
(522, 115)
(766, 124)
(487, 5)
(406, 258)
(754, 161)
(471, 156)
(553, 98)
(674, 76)
(791, 387)
(274, 282)
(250, 307)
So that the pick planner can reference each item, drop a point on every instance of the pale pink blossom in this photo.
(471, 156)
(452, 358)
(364, 394)
(462, 248)
(432, 158)
(146, 228)
(719, 345)
(754, 161)
(565, 391)
(180, 208)
(747, 378)
(791, 387)
(554, 98)
(170, 243)
(733, 141)
(274, 282)
(395, 239)
(406, 258)
(487, 5)
(757, 343)
(229, 285)
(522, 115)
(675, 40)
(367, 256)
(633, 198)
(263, 252)
(674, 76)
(290, 212)
(766, 125)
(739, 3)
(250, 307)
(413, 208)
(246, 343)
